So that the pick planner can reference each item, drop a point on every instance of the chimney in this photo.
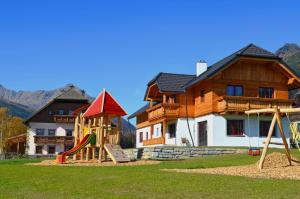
(201, 67)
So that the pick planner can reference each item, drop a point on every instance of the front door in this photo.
(202, 131)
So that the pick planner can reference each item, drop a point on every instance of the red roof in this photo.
(104, 103)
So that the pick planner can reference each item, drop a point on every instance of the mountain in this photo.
(290, 53)
(31, 99)
(16, 109)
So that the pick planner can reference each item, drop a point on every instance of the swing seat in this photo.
(253, 151)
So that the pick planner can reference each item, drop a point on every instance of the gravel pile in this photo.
(276, 166)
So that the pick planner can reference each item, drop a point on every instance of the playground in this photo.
(97, 136)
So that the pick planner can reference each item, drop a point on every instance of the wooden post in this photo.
(93, 153)
(164, 130)
(87, 153)
(81, 154)
(18, 146)
(106, 136)
(101, 139)
(267, 142)
(164, 98)
(287, 151)
(76, 137)
(119, 130)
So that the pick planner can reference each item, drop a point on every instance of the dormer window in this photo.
(235, 90)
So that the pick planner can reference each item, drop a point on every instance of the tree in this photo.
(9, 126)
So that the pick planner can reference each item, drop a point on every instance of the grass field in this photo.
(21, 181)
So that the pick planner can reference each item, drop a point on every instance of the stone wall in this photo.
(177, 152)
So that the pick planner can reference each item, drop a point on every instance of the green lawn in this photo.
(21, 181)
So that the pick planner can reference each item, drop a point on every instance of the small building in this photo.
(207, 108)
(16, 144)
(50, 129)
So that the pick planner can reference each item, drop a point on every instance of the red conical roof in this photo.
(104, 103)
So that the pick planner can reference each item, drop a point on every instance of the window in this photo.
(141, 136)
(50, 113)
(39, 149)
(235, 127)
(61, 112)
(51, 149)
(71, 112)
(265, 92)
(40, 131)
(69, 132)
(235, 90)
(202, 95)
(147, 136)
(264, 127)
(51, 132)
(172, 130)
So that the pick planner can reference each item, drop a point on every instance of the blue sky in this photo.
(121, 45)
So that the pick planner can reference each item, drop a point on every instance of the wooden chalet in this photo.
(207, 109)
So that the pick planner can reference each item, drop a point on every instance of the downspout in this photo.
(187, 119)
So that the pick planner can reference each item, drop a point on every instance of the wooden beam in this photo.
(291, 81)
(275, 143)
(279, 122)
(267, 142)
(272, 110)
(164, 98)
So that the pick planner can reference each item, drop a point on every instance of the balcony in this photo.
(163, 110)
(159, 140)
(69, 140)
(241, 104)
(64, 118)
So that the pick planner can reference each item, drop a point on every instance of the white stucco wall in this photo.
(144, 131)
(60, 130)
(217, 131)
(183, 132)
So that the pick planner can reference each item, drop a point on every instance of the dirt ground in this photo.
(93, 163)
(276, 166)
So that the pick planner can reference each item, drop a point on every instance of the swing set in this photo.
(277, 112)
(253, 151)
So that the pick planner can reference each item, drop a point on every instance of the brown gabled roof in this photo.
(71, 94)
(250, 50)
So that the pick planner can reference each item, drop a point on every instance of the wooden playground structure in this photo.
(97, 132)
(277, 117)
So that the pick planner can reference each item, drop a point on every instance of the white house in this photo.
(50, 129)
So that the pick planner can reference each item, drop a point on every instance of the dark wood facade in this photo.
(58, 111)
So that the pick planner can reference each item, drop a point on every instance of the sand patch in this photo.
(93, 163)
(276, 166)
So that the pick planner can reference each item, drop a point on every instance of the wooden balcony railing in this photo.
(163, 110)
(241, 104)
(39, 139)
(64, 118)
(159, 140)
